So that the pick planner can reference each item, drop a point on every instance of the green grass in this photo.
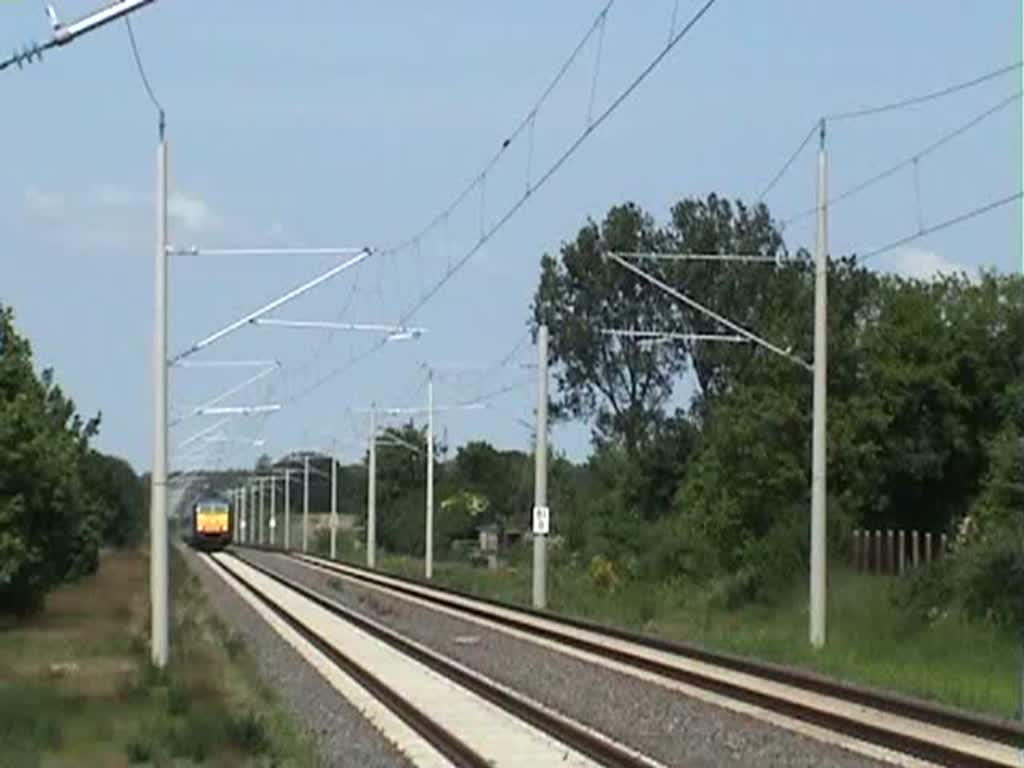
(77, 688)
(870, 641)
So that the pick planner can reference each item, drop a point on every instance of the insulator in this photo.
(27, 54)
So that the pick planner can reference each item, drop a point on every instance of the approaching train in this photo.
(208, 524)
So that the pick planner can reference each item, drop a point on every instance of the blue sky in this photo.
(332, 124)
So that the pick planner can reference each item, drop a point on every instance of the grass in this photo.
(77, 688)
(870, 641)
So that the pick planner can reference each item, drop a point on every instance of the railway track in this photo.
(898, 725)
(449, 714)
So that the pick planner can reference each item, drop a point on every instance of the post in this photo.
(305, 504)
(242, 493)
(879, 565)
(903, 551)
(890, 551)
(273, 511)
(158, 546)
(260, 523)
(818, 458)
(371, 494)
(915, 549)
(247, 506)
(928, 547)
(334, 505)
(287, 509)
(540, 480)
(429, 540)
(253, 532)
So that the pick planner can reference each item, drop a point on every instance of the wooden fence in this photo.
(896, 551)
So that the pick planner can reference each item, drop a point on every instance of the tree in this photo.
(990, 563)
(621, 385)
(756, 296)
(495, 475)
(48, 524)
(118, 493)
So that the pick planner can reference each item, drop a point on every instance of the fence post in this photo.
(856, 549)
(915, 549)
(890, 554)
(943, 545)
(878, 551)
(903, 551)
(928, 547)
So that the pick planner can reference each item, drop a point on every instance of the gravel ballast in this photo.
(668, 726)
(343, 736)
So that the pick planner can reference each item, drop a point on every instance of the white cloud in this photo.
(112, 196)
(193, 213)
(922, 264)
(43, 203)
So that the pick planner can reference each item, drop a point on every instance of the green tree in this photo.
(759, 297)
(48, 524)
(989, 567)
(621, 385)
(117, 491)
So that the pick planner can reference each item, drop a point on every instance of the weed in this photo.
(234, 645)
(29, 717)
(872, 640)
(179, 700)
(249, 733)
(139, 750)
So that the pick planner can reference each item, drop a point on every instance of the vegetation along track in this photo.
(927, 731)
(598, 749)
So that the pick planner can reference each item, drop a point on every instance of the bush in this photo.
(605, 574)
(926, 593)
(139, 750)
(989, 569)
(29, 718)
(248, 732)
(990, 579)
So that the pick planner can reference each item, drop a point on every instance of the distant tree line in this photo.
(925, 410)
(60, 499)
(925, 419)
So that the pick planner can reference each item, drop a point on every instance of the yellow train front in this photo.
(208, 524)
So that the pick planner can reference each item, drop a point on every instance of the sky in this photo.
(350, 124)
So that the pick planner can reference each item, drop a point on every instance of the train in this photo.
(208, 524)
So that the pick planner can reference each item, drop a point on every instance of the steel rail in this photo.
(587, 743)
(438, 737)
(1002, 732)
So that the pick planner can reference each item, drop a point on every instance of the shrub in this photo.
(248, 732)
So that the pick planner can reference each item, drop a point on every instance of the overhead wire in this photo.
(789, 162)
(913, 101)
(908, 161)
(942, 225)
(511, 138)
(905, 103)
(142, 70)
(521, 201)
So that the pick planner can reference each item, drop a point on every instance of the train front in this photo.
(211, 524)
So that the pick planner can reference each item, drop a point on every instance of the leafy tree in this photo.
(48, 530)
(990, 566)
(758, 297)
(119, 495)
(495, 475)
(621, 385)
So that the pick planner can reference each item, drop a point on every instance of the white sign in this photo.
(541, 520)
